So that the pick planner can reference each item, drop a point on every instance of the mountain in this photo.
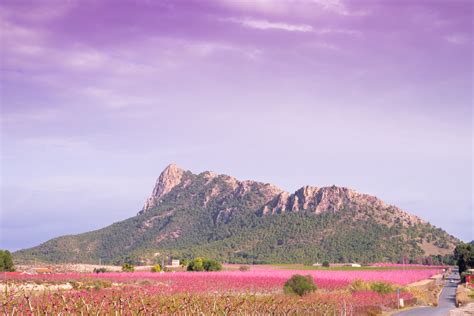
(218, 216)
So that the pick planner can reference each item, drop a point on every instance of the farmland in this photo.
(257, 290)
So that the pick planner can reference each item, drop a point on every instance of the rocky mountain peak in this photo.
(332, 198)
(169, 178)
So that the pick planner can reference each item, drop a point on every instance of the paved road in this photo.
(447, 300)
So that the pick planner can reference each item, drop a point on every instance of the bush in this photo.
(202, 264)
(382, 287)
(184, 262)
(127, 267)
(326, 264)
(196, 265)
(6, 261)
(100, 284)
(300, 285)
(359, 285)
(375, 286)
(211, 265)
(100, 270)
(156, 268)
(244, 268)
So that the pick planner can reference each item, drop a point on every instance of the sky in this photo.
(98, 97)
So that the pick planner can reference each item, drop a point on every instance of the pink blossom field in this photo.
(254, 280)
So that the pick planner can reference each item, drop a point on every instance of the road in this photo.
(447, 300)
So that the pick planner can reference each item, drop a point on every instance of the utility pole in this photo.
(398, 298)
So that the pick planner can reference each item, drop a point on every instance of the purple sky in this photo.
(99, 96)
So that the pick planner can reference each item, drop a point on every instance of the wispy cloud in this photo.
(338, 7)
(295, 7)
(267, 25)
(284, 26)
(457, 39)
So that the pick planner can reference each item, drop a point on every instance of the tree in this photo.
(464, 256)
(326, 264)
(212, 265)
(156, 268)
(196, 265)
(203, 264)
(127, 267)
(300, 285)
(6, 261)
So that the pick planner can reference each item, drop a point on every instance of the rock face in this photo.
(168, 179)
(308, 198)
(319, 200)
(216, 187)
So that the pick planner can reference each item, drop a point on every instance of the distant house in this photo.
(173, 263)
(354, 265)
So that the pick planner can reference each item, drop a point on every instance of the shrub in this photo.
(244, 268)
(127, 267)
(300, 285)
(196, 265)
(202, 264)
(184, 262)
(156, 268)
(100, 270)
(326, 263)
(382, 287)
(99, 284)
(359, 285)
(211, 265)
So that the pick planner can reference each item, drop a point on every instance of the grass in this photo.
(471, 294)
(464, 295)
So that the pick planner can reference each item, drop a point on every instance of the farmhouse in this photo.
(173, 263)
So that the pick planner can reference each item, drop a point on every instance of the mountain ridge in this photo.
(217, 215)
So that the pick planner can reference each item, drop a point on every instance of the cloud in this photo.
(283, 26)
(324, 31)
(266, 25)
(308, 8)
(457, 39)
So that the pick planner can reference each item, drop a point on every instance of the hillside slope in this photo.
(219, 216)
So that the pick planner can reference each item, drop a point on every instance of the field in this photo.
(231, 292)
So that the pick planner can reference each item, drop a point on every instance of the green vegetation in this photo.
(230, 228)
(376, 286)
(127, 267)
(156, 268)
(6, 261)
(100, 270)
(382, 287)
(203, 264)
(464, 256)
(325, 264)
(90, 284)
(300, 285)
(196, 265)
